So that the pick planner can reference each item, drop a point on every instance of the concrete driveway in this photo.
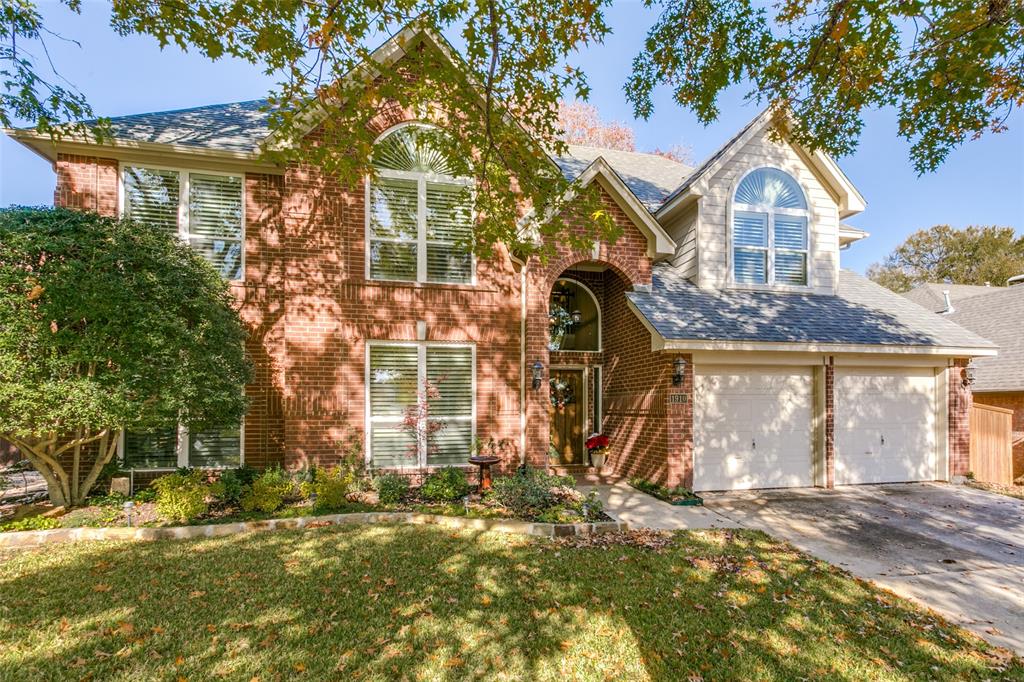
(957, 550)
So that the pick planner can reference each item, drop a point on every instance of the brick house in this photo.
(717, 343)
(994, 312)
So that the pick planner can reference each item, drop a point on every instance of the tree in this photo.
(953, 70)
(582, 124)
(106, 325)
(973, 255)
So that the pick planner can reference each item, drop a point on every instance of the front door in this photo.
(567, 411)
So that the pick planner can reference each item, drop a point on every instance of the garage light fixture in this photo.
(968, 375)
(678, 371)
(538, 374)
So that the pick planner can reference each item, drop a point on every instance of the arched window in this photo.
(769, 236)
(420, 213)
(574, 317)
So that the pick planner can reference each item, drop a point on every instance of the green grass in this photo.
(423, 603)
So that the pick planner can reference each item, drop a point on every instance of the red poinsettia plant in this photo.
(598, 442)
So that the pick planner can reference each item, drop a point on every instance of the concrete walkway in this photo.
(625, 503)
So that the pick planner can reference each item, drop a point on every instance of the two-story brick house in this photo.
(717, 342)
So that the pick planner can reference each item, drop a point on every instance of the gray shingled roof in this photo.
(234, 127)
(862, 313)
(649, 176)
(241, 126)
(999, 317)
(930, 295)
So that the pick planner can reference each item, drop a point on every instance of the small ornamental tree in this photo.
(106, 325)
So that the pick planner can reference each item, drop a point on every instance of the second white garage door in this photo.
(752, 427)
(884, 425)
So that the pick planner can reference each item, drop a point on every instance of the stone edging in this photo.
(36, 538)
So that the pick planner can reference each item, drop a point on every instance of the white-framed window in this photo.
(203, 208)
(177, 446)
(770, 230)
(574, 317)
(419, 220)
(396, 375)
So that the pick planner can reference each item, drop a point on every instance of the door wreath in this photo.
(562, 393)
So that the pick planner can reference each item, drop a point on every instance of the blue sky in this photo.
(982, 183)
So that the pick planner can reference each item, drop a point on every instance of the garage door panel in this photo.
(885, 425)
(752, 428)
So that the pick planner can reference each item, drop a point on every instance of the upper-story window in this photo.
(574, 318)
(769, 241)
(420, 214)
(202, 208)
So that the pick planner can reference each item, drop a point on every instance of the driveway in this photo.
(956, 550)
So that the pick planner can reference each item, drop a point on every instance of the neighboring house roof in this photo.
(862, 314)
(649, 176)
(999, 317)
(931, 295)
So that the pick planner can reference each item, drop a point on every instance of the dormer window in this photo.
(770, 240)
(420, 220)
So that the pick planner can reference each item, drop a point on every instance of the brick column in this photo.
(680, 428)
(959, 419)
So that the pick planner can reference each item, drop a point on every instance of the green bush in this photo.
(533, 494)
(391, 487)
(445, 485)
(145, 495)
(30, 523)
(331, 486)
(234, 483)
(181, 496)
(268, 492)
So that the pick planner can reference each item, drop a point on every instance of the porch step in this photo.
(587, 475)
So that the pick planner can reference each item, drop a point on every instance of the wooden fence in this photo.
(991, 444)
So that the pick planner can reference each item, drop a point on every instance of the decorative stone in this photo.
(121, 485)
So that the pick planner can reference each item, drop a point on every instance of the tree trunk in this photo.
(44, 454)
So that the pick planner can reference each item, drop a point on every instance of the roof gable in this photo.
(998, 316)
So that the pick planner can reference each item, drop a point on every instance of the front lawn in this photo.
(423, 603)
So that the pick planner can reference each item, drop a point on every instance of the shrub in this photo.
(331, 486)
(145, 495)
(390, 487)
(181, 496)
(30, 523)
(234, 483)
(268, 492)
(445, 485)
(536, 495)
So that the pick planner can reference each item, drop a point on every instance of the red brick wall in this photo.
(830, 423)
(959, 420)
(86, 183)
(1010, 401)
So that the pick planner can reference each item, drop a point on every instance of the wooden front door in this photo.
(567, 410)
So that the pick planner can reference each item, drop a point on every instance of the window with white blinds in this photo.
(395, 384)
(769, 235)
(176, 446)
(420, 218)
(203, 209)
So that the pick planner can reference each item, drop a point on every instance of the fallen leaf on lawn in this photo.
(195, 594)
(179, 661)
(101, 587)
(299, 667)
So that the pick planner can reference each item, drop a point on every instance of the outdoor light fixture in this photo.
(968, 375)
(577, 317)
(538, 374)
(128, 511)
(678, 371)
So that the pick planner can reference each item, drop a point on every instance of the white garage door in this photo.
(752, 427)
(884, 425)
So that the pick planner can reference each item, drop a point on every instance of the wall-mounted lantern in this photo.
(577, 317)
(678, 371)
(538, 374)
(968, 375)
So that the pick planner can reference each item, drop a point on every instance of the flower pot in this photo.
(597, 459)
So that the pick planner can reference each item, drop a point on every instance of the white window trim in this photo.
(770, 211)
(421, 180)
(597, 306)
(421, 374)
(184, 174)
(182, 451)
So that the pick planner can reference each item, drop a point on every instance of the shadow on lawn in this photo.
(405, 602)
